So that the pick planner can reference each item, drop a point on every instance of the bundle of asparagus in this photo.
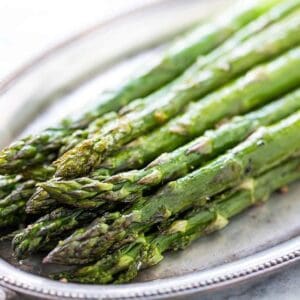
(124, 264)
(168, 102)
(209, 130)
(34, 149)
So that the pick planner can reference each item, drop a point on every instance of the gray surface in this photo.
(284, 285)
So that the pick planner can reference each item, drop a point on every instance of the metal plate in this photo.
(256, 243)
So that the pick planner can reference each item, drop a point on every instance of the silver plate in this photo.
(255, 244)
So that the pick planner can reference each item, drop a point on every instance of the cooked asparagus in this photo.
(49, 228)
(266, 148)
(170, 101)
(123, 265)
(276, 13)
(81, 134)
(180, 55)
(18, 189)
(8, 183)
(39, 173)
(12, 207)
(40, 202)
(169, 166)
(273, 15)
(169, 155)
(34, 149)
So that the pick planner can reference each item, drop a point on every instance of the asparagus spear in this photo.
(263, 150)
(162, 106)
(276, 13)
(17, 189)
(81, 134)
(40, 202)
(8, 183)
(12, 206)
(134, 156)
(123, 265)
(180, 56)
(273, 15)
(49, 228)
(256, 88)
(42, 148)
(39, 173)
(169, 166)
(33, 149)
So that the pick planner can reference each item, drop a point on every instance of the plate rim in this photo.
(255, 266)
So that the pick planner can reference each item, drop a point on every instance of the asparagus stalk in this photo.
(39, 173)
(40, 202)
(271, 16)
(8, 183)
(33, 149)
(17, 189)
(266, 148)
(42, 148)
(124, 264)
(12, 207)
(166, 103)
(49, 228)
(144, 150)
(81, 134)
(257, 87)
(130, 157)
(180, 56)
(46, 232)
(169, 166)
(276, 13)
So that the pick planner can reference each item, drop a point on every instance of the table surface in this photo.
(44, 24)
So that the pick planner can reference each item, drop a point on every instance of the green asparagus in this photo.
(81, 134)
(18, 189)
(39, 173)
(12, 207)
(160, 107)
(266, 148)
(8, 183)
(40, 202)
(273, 15)
(179, 56)
(51, 227)
(34, 149)
(130, 185)
(123, 265)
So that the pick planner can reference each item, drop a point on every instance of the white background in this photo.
(29, 27)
